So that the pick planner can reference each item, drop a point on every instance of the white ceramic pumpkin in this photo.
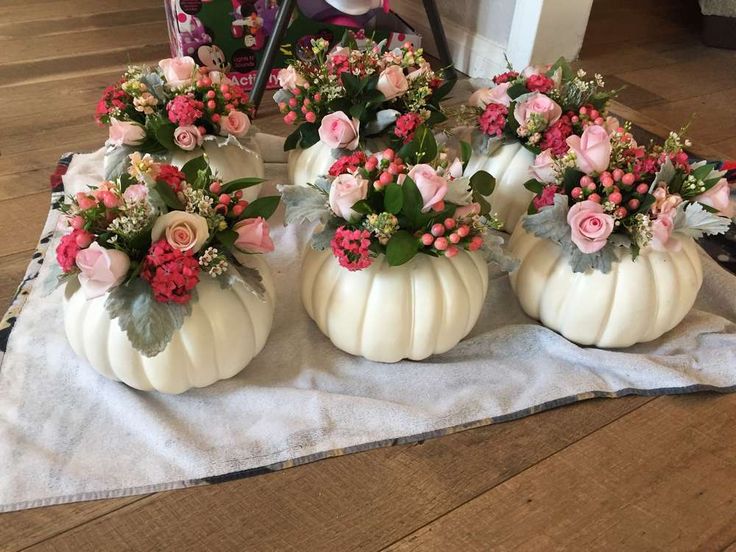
(510, 165)
(227, 328)
(229, 160)
(306, 165)
(637, 301)
(386, 313)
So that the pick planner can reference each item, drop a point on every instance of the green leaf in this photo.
(485, 207)
(483, 182)
(250, 277)
(168, 196)
(261, 207)
(306, 135)
(516, 90)
(534, 185)
(241, 183)
(358, 111)
(362, 207)
(292, 140)
(570, 179)
(192, 167)
(425, 144)
(149, 324)
(401, 248)
(466, 150)
(443, 90)
(227, 237)
(165, 135)
(413, 202)
(351, 83)
(393, 198)
(562, 63)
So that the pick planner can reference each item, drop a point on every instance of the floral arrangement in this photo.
(172, 107)
(348, 94)
(540, 107)
(147, 238)
(608, 192)
(397, 203)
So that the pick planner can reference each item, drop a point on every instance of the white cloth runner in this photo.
(67, 433)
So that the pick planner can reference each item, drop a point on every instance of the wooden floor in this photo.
(639, 473)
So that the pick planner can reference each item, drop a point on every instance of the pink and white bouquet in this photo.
(396, 203)
(608, 192)
(173, 106)
(539, 107)
(146, 239)
(346, 94)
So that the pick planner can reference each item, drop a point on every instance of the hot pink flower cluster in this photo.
(554, 138)
(348, 163)
(69, 246)
(406, 126)
(185, 110)
(172, 176)
(351, 248)
(113, 100)
(505, 77)
(493, 119)
(539, 83)
(172, 273)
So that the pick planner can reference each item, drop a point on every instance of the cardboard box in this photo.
(230, 35)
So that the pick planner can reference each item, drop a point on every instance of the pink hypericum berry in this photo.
(439, 206)
(227, 97)
(437, 229)
(225, 199)
(385, 178)
(215, 187)
(463, 231)
(595, 198)
(310, 116)
(599, 121)
(618, 174)
(583, 110)
(575, 119)
(84, 238)
(282, 106)
(634, 204)
(576, 192)
(292, 102)
(393, 169)
(451, 251)
(440, 244)
(206, 81)
(621, 212)
(290, 117)
(237, 210)
(454, 237)
(210, 94)
(594, 114)
(475, 243)
(371, 163)
(76, 222)
(243, 203)
(450, 223)
(427, 239)
(389, 154)
(585, 180)
(238, 194)
(591, 187)
(215, 117)
(627, 179)
(642, 188)
(607, 181)
(202, 130)
(211, 104)
(615, 198)
(221, 208)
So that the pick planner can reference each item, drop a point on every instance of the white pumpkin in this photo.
(229, 160)
(637, 301)
(306, 165)
(510, 165)
(386, 313)
(227, 328)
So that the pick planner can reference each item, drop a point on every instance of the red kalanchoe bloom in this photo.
(172, 176)
(505, 77)
(171, 273)
(547, 197)
(184, 110)
(493, 119)
(539, 83)
(348, 163)
(351, 248)
(406, 126)
(554, 138)
(338, 64)
(66, 251)
(112, 97)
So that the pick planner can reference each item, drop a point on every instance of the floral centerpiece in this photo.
(520, 115)
(155, 250)
(397, 226)
(618, 214)
(179, 110)
(352, 97)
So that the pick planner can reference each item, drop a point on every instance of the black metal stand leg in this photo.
(440, 38)
(264, 69)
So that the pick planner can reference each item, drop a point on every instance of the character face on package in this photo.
(248, 22)
(214, 58)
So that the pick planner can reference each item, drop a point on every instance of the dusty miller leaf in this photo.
(601, 260)
(665, 174)
(321, 240)
(494, 252)
(693, 220)
(248, 276)
(550, 222)
(116, 161)
(303, 204)
(149, 325)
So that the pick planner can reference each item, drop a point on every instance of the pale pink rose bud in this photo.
(346, 191)
(178, 72)
(135, 193)
(537, 103)
(432, 186)
(124, 133)
(337, 130)
(719, 197)
(590, 226)
(187, 137)
(592, 149)
(101, 269)
(392, 82)
(484, 96)
(289, 78)
(543, 167)
(183, 231)
(236, 123)
(253, 236)
(662, 228)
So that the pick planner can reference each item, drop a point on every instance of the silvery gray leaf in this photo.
(477, 83)
(321, 240)
(619, 240)
(550, 222)
(384, 119)
(116, 160)
(601, 260)
(691, 219)
(155, 86)
(494, 252)
(149, 325)
(665, 174)
(322, 184)
(281, 95)
(459, 191)
(248, 276)
(303, 204)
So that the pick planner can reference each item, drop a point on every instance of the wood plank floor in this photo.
(638, 473)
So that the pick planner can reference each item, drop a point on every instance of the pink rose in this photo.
(346, 191)
(535, 70)
(662, 228)
(289, 78)
(432, 186)
(187, 137)
(178, 72)
(592, 149)
(339, 131)
(253, 236)
(611, 124)
(236, 123)
(101, 269)
(484, 96)
(539, 106)
(124, 133)
(183, 231)
(135, 193)
(719, 197)
(392, 82)
(467, 211)
(543, 167)
(590, 226)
